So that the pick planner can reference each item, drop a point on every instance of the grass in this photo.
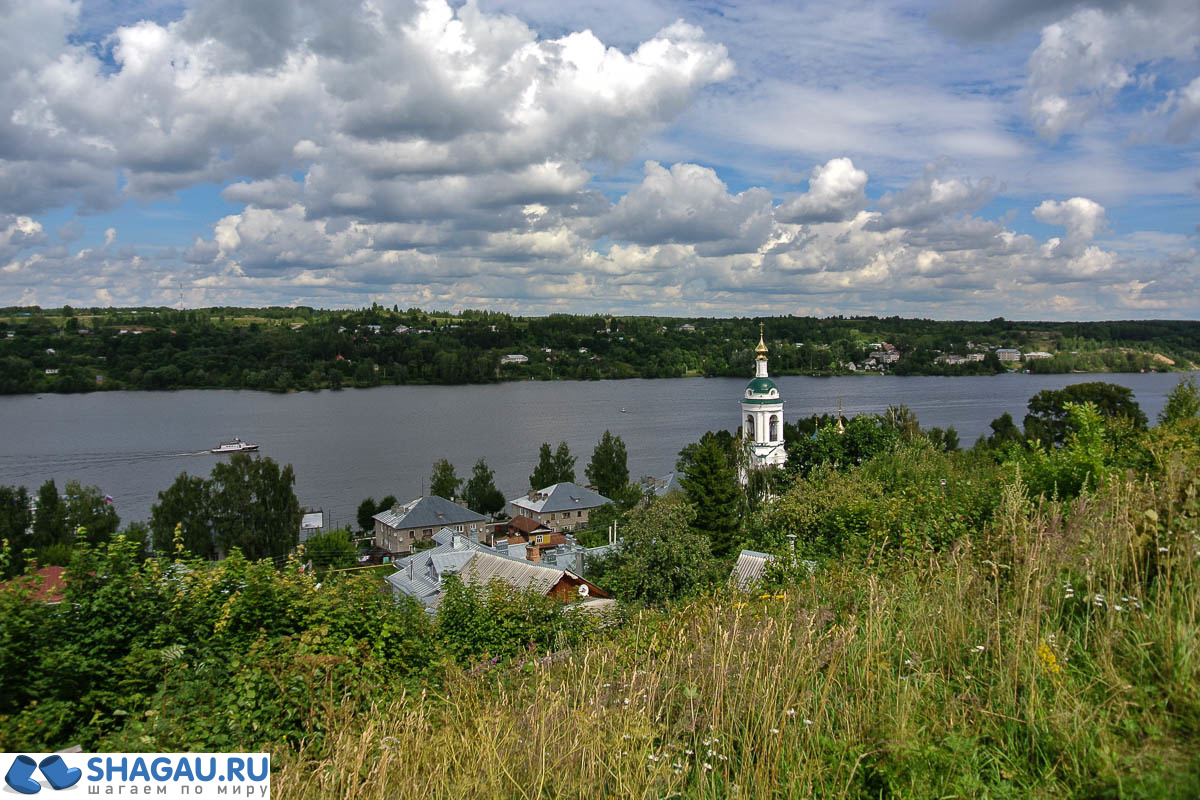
(1057, 655)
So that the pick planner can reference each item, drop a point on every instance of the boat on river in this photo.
(234, 445)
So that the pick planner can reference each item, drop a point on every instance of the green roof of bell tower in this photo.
(760, 385)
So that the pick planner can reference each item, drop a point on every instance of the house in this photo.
(974, 356)
(1008, 354)
(563, 585)
(422, 574)
(561, 507)
(401, 329)
(951, 359)
(401, 526)
(686, 328)
(1038, 354)
(52, 371)
(514, 358)
(524, 527)
(312, 523)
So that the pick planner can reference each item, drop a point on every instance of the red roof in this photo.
(47, 584)
(524, 524)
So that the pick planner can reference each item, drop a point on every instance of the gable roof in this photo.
(561, 497)
(47, 584)
(418, 576)
(427, 512)
(483, 568)
(524, 524)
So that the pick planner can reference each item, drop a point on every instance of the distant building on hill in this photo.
(1008, 354)
(762, 415)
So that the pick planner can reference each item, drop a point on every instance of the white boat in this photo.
(234, 445)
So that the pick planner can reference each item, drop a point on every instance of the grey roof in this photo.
(419, 575)
(427, 512)
(665, 485)
(749, 569)
(561, 497)
(483, 568)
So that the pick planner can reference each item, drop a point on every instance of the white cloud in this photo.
(1083, 219)
(836, 191)
(1085, 59)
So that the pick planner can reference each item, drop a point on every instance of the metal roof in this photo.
(483, 568)
(427, 512)
(561, 497)
(749, 569)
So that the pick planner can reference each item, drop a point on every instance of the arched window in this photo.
(749, 426)
(774, 429)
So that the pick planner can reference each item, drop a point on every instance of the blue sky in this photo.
(953, 160)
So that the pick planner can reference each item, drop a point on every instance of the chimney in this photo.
(533, 554)
(460, 542)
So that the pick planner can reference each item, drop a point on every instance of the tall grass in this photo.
(1056, 654)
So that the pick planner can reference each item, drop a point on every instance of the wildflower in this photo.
(979, 648)
(678, 765)
(1048, 659)
(780, 596)
(689, 752)
(908, 662)
(774, 730)
(627, 736)
(808, 722)
(707, 766)
(1163, 549)
(707, 742)
(711, 753)
(723, 757)
(791, 712)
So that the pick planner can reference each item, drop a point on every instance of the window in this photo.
(774, 429)
(749, 427)
(579, 514)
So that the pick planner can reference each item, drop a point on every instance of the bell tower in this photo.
(762, 415)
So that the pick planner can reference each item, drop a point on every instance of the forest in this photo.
(1017, 619)
(291, 349)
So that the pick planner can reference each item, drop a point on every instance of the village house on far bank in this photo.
(561, 507)
(398, 528)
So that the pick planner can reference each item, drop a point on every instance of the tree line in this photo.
(81, 350)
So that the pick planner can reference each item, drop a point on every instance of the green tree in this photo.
(443, 482)
(1004, 430)
(564, 464)
(1048, 419)
(254, 507)
(331, 550)
(367, 509)
(481, 494)
(1182, 403)
(186, 503)
(711, 482)
(608, 470)
(546, 472)
(660, 557)
(15, 521)
(89, 509)
(945, 439)
(50, 518)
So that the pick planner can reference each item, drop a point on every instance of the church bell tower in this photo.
(762, 415)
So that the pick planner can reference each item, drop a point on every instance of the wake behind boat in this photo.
(234, 445)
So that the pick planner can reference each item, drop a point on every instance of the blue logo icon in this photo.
(53, 767)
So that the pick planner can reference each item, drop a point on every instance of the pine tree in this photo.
(608, 470)
(443, 482)
(564, 464)
(481, 494)
(711, 483)
(546, 472)
(50, 518)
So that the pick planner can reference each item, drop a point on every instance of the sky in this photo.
(953, 159)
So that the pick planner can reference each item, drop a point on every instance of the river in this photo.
(350, 444)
